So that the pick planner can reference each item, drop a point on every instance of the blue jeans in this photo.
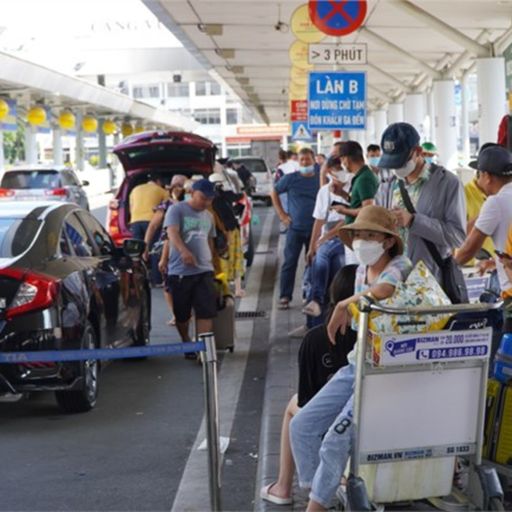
(328, 260)
(321, 436)
(295, 241)
(138, 229)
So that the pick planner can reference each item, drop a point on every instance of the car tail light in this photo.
(6, 192)
(35, 292)
(56, 192)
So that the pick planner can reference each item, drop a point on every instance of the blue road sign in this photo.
(337, 101)
(301, 131)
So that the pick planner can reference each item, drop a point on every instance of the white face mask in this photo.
(368, 252)
(407, 169)
(341, 175)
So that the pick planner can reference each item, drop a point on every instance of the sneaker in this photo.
(312, 308)
(284, 303)
(299, 332)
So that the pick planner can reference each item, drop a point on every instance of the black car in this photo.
(65, 285)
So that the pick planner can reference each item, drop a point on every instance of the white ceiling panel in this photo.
(248, 28)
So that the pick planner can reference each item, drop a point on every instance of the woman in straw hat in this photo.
(321, 431)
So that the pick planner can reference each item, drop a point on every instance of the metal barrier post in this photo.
(209, 358)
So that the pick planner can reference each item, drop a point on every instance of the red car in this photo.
(167, 153)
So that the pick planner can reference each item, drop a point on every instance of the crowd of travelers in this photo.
(363, 222)
(193, 243)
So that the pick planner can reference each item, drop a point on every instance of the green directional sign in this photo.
(508, 66)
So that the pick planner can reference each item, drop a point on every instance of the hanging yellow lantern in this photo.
(139, 128)
(67, 120)
(4, 109)
(109, 127)
(126, 129)
(36, 116)
(89, 124)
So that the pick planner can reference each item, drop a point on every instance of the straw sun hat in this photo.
(372, 218)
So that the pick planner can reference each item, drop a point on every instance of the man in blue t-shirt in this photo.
(302, 187)
(191, 229)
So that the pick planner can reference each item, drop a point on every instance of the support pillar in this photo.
(30, 144)
(414, 112)
(79, 147)
(395, 113)
(2, 157)
(58, 157)
(492, 96)
(431, 132)
(464, 124)
(381, 123)
(102, 146)
(445, 122)
(370, 130)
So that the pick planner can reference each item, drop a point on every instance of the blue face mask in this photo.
(307, 170)
(374, 161)
(429, 160)
(187, 197)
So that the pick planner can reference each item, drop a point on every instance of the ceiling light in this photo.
(225, 53)
(211, 29)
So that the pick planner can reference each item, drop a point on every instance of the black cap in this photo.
(495, 160)
(222, 161)
(474, 163)
(351, 148)
(397, 142)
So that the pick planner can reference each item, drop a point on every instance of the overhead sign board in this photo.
(337, 17)
(298, 110)
(344, 54)
(337, 101)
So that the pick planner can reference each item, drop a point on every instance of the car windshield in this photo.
(16, 235)
(31, 179)
(166, 153)
(254, 165)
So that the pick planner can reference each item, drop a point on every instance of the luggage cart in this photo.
(417, 410)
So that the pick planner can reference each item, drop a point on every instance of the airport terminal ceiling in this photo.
(247, 43)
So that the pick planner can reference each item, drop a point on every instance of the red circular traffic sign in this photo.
(337, 17)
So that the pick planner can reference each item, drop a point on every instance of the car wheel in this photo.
(143, 329)
(83, 400)
(249, 254)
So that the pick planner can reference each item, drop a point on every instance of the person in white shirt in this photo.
(495, 168)
(326, 252)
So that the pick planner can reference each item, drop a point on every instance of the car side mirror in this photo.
(134, 247)
(85, 183)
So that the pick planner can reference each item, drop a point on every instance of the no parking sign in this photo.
(337, 17)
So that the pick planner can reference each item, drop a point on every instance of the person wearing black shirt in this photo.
(319, 360)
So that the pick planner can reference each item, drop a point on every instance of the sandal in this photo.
(284, 303)
(276, 500)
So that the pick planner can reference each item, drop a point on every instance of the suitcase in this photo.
(491, 413)
(224, 324)
(502, 452)
(503, 360)
(498, 423)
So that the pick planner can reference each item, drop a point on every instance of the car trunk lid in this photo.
(167, 152)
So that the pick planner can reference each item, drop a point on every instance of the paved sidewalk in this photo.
(281, 385)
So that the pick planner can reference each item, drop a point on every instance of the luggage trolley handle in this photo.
(366, 306)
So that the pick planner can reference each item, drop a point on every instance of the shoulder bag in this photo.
(452, 278)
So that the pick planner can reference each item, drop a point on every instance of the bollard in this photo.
(209, 358)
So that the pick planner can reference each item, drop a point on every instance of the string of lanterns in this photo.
(37, 116)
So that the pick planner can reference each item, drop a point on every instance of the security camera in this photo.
(281, 27)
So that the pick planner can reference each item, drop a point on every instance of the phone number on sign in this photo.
(448, 353)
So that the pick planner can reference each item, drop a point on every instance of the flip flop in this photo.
(265, 495)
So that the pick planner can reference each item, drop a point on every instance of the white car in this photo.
(262, 174)
(44, 183)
